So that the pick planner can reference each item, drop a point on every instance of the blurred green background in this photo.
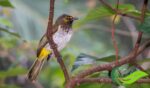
(23, 22)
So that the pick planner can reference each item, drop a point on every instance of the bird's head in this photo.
(65, 20)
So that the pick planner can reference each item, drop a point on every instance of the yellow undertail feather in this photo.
(37, 65)
(44, 53)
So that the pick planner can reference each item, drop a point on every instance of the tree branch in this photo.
(106, 80)
(143, 11)
(80, 77)
(111, 65)
(53, 46)
(137, 45)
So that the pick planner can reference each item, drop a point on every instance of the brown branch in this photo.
(117, 11)
(106, 80)
(143, 11)
(103, 67)
(51, 41)
(111, 65)
(137, 45)
(100, 80)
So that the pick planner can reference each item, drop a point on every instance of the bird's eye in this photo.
(70, 17)
(66, 19)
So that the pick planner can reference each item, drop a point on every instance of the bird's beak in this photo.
(75, 18)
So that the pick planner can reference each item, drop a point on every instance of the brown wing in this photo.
(44, 40)
(42, 43)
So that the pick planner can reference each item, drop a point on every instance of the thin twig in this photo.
(51, 41)
(113, 34)
(118, 11)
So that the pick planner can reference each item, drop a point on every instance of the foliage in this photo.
(133, 77)
(103, 11)
(6, 3)
(23, 53)
(6, 22)
(145, 26)
(12, 72)
(8, 43)
(115, 75)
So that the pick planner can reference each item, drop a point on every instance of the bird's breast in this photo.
(61, 38)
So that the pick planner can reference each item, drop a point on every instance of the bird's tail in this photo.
(35, 69)
(37, 65)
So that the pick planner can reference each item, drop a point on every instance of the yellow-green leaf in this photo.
(133, 77)
(5, 22)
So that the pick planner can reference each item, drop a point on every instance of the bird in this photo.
(61, 32)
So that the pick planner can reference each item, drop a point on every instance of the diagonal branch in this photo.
(111, 65)
(51, 41)
(138, 41)
(80, 77)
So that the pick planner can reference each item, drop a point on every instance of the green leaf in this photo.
(5, 3)
(98, 13)
(103, 11)
(5, 22)
(122, 71)
(115, 75)
(145, 26)
(133, 77)
(12, 72)
(95, 14)
(126, 8)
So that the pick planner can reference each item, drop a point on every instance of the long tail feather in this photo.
(35, 69)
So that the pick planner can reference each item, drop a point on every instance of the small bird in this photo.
(62, 32)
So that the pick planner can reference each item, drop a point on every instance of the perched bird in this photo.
(62, 32)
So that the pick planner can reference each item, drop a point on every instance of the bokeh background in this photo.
(22, 26)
